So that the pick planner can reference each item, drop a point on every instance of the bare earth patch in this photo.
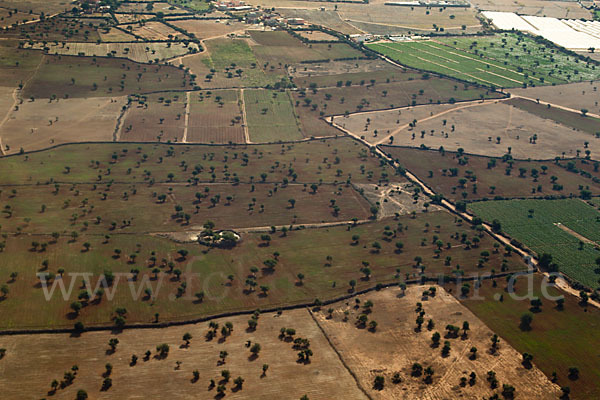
(41, 123)
(395, 346)
(49, 356)
(394, 198)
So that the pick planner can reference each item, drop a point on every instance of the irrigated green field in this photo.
(270, 116)
(558, 339)
(569, 230)
(233, 60)
(506, 60)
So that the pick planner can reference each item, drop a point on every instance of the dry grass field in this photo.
(379, 126)
(477, 127)
(310, 12)
(573, 95)
(392, 348)
(382, 19)
(317, 35)
(215, 117)
(42, 123)
(324, 377)
(157, 117)
(318, 70)
(48, 7)
(115, 35)
(540, 8)
(136, 51)
(154, 30)
(395, 345)
(210, 28)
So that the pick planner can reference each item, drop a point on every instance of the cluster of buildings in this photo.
(234, 5)
(91, 6)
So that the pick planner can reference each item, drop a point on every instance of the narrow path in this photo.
(187, 117)
(451, 207)
(245, 123)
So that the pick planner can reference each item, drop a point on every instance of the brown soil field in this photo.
(210, 28)
(278, 48)
(317, 35)
(573, 95)
(41, 123)
(55, 76)
(154, 30)
(317, 70)
(381, 76)
(137, 51)
(387, 122)
(210, 122)
(540, 8)
(152, 215)
(476, 129)
(477, 173)
(155, 119)
(324, 377)
(395, 346)
(37, 6)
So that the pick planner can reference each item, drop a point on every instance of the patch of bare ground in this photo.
(40, 124)
(380, 126)
(395, 198)
(573, 95)
(48, 357)
(337, 68)
(490, 129)
(395, 345)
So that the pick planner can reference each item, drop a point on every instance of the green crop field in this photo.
(506, 60)
(558, 339)
(270, 116)
(229, 56)
(196, 5)
(540, 231)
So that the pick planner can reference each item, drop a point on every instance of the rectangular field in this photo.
(215, 117)
(157, 117)
(271, 117)
(476, 177)
(135, 51)
(541, 231)
(500, 61)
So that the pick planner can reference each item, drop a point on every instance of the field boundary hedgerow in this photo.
(443, 279)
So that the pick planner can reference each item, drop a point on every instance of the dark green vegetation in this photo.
(578, 121)
(195, 5)
(462, 177)
(569, 230)
(559, 338)
(271, 116)
(504, 60)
